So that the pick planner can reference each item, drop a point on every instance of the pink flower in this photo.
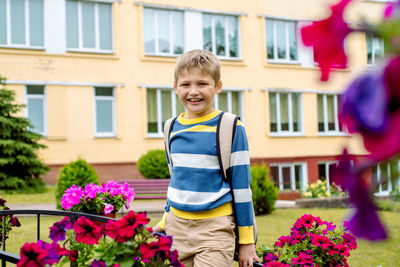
(108, 208)
(91, 190)
(71, 197)
(303, 260)
(283, 240)
(112, 187)
(327, 38)
(349, 240)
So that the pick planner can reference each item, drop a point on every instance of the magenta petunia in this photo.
(303, 260)
(71, 197)
(86, 231)
(327, 39)
(32, 255)
(108, 208)
(91, 190)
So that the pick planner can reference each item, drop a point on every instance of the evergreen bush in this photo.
(153, 164)
(20, 167)
(77, 173)
(264, 191)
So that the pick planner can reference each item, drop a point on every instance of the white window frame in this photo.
(373, 44)
(171, 33)
(292, 174)
(44, 98)
(160, 131)
(326, 131)
(327, 177)
(229, 98)
(226, 28)
(113, 133)
(27, 28)
(97, 30)
(391, 187)
(289, 132)
(280, 60)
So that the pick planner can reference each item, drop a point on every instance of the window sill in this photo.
(328, 134)
(34, 48)
(56, 138)
(286, 135)
(90, 51)
(154, 136)
(107, 137)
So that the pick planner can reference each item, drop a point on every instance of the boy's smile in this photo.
(196, 90)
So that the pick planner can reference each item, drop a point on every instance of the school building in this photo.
(97, 78)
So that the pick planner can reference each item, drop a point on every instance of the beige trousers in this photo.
(202, 243)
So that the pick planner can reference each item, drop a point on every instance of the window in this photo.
(36, 108)
(163, 32)
(324, 170)
(221, 35)
(328, 113)
(104, 122)
(21, 23)
(229, 101)
(89, 26)
(374, 49)
(281, 41)
(289, 176)
(284, 112)
(386, 177)
(162, 104)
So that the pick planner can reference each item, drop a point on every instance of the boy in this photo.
(199, 211)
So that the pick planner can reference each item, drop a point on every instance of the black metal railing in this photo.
(14, 258)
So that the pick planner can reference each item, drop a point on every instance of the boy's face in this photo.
(196, 91)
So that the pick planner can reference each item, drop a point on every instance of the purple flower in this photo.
(364, 222)
(371, 107)
(58, 230)
(108, 208)
(391, 10)
(71, 197)
(97, 263)
(52, 250)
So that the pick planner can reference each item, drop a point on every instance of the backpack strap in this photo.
(225, 132)
(226, 129)
(167, 133)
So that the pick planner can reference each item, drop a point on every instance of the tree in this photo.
(20, 167)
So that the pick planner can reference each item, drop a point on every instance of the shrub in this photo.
(264, 191)
(395, 195)
(77, 173)
(319, 190)
(153, 164)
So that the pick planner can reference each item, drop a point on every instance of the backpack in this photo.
(226, 128)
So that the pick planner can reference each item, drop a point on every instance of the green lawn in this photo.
(21, 198)
(270, 227)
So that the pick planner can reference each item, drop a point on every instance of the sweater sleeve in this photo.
(240, 172)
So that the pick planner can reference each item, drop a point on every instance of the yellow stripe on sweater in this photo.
(223, 210)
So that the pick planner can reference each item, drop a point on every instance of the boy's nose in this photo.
(193, 90)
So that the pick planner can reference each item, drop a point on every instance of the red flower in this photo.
(125, 228)
(32, 255)
(275, 264)
(303, 260)
(86, 231)
(159, 248)
(349, 240)
(283, 240)
(307, 221)
(327, 39)
(321, 241)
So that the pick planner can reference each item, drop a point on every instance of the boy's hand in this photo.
(157, 229)
(247, 253)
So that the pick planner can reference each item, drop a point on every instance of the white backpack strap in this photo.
(225, 132)
(167, 132)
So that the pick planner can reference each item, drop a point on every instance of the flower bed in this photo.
(311, 242)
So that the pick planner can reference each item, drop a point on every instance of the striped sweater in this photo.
(197, 189)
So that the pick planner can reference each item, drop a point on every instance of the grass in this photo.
(270, 227)
(20, 198)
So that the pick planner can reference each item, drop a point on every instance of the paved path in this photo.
(151, 206)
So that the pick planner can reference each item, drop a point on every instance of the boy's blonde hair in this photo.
(202, 59)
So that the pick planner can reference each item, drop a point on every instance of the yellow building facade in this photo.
(97, 77)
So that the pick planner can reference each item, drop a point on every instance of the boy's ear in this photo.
(218, 87)
(175, 86)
